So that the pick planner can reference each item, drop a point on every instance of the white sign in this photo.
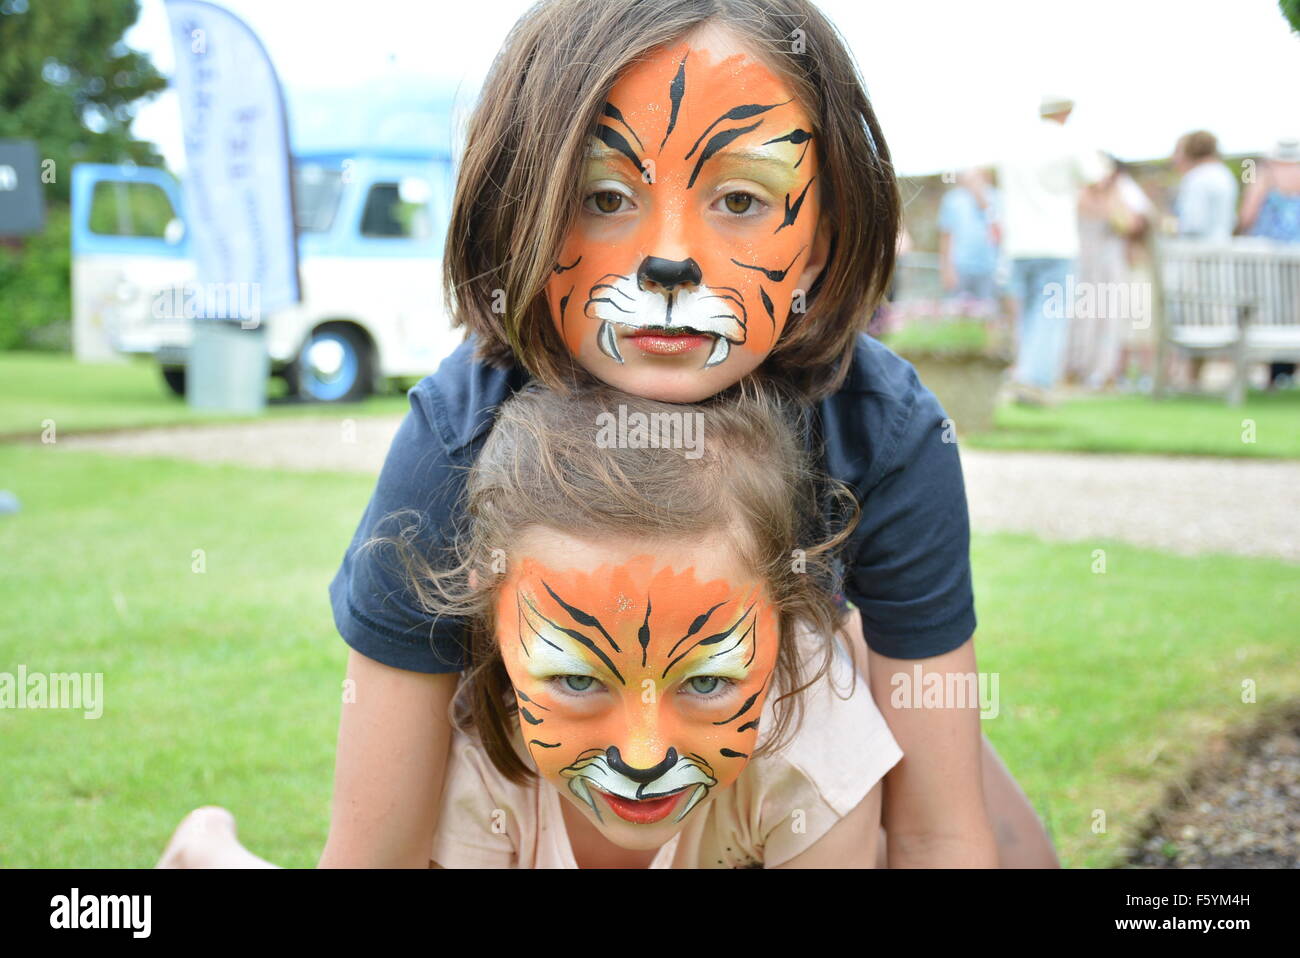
(238, 192)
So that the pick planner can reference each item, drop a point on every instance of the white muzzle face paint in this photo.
(620, 301)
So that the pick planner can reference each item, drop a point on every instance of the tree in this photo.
(1291, 10)
(69, 82)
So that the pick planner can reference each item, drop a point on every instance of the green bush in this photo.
(36, 285)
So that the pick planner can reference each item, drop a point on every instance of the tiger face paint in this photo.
(698, 223)
(639, 686)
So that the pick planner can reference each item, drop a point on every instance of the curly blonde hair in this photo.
(751, 483)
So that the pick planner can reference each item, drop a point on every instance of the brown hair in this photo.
(1199, 144)
(752, 485)
(517, 193)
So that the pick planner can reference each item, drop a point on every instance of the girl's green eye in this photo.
(578, 683)
(607, 201)
(705, 684)
(739, 202)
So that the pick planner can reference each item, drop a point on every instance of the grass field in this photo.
(1267, 426)
(80, 397)
(224, 687)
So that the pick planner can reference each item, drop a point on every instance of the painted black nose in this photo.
(639, 775)
(668, 274)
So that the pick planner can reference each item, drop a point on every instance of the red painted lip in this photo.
(661, 344)
(645, 812)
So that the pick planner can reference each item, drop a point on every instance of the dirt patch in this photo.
(1239, 809)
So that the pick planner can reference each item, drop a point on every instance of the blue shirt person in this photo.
(968, 237)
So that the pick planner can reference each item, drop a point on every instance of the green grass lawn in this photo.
(1111, 684)
(1181, 425)
(83, 396)
(224, 687)
(80, 397)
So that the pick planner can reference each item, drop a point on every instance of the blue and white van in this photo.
(371, 225)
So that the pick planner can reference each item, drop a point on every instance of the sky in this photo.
(950, 79)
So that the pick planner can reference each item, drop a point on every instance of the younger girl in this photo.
(654, 622)
(655, 677)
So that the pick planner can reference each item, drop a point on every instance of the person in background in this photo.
(1271, 208)
(1114, 215)
(969, 237)
(1040, 182)
(1206, 202)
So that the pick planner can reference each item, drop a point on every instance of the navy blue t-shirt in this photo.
(907, 565)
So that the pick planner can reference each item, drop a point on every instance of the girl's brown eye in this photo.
(739, 202)
(608, 201)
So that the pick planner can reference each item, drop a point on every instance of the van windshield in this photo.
(316, 195)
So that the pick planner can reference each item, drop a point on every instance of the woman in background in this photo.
(1114, 215)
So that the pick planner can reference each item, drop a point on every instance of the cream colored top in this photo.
(781, 804)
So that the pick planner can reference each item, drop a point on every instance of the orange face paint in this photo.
(639, 687)
(699, 220)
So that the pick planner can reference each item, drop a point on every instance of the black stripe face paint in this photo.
(632, 676)
(700, 155)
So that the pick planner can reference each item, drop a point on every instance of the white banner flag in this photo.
(238, 192)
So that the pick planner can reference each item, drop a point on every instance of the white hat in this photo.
(1286, 150)
(1054, 104)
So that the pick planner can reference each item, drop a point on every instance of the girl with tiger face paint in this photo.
(698, 230)
(653, 681)
(639, 684)
(643, 649)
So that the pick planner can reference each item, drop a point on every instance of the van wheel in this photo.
(174, 377)
(334, 366)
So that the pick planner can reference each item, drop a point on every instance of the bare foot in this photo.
(206, 838)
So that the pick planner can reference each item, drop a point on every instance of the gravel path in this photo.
(1182, 505)
(1240, 809)
(306, 445)
(1179, 504)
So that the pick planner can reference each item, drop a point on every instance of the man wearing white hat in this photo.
(1040, 182)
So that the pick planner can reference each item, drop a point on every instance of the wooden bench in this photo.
(1238, 299)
